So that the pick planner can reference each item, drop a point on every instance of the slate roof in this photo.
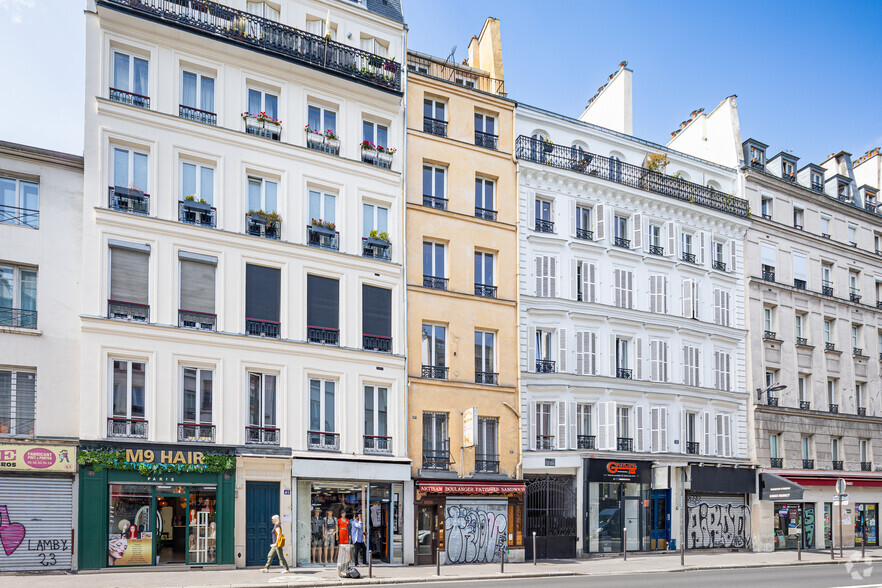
(389, 8)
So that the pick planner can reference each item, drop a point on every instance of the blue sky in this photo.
(808, 75)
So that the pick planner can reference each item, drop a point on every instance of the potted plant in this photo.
(264, 218)
(385, 154)
(378, 238)
(323, 227)
(389, 65)
(313, 136)
(548, 145)
(375, 61)
(191, 202)
(332, 140)
(368, 151)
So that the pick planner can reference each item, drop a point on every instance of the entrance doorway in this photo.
(659, 520)
(865, 521)
(261, 503)
(171, 526)
(551, 514)
(428, 533)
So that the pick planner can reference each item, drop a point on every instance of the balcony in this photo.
(128, 200)
(544, 366)
(128, 428)
(854, 296)
(195, 432)
(378, 156)
(870, 207)
(805, 405)
(486, 463)
(797, 227)
(196, 213)
(376, 343)
(255, 435)
(770, 335)
(834, 408)
(196, 115)
(718, 265)
(486, 140)
(129, 98)
(18, 317)
(799, 284)
(128, 311)
(624, 444)
(772, 400)
(688, 257)
(544, 226)
(329, 144)
(622, 242)
(491, 378)
(485, 213)
(866, 466)
(376, 248)
(693, 447)
(828, 346)
(434, 372)
(435, 202)
(817, 186)
(322, 441)
(560, 156)
(586, 442)
(825, 235)
(435, 126)
(242, 28)
(766, 215)
(323, 335)
(485, 290)
(769, 276)
(434, 282)
(266, 128)
(857, 351)
(437, 459)
(323, 237)
(587, 235)
(450, 72)
(204, 321)
(377, 444)
(262, 328)
(801, 342)
(544, 442)
(263, 224)
(623, 373)
(827, 288)
(776, 462)
(862, 411)
(838, 464)
(19, 216)
(808, 464)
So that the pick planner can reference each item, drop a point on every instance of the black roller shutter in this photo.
(262, 292)
(322, 302)
(376, 311)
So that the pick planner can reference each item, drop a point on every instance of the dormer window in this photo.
(757, 157)
(842, 190)
(817, 182)
(788, 170)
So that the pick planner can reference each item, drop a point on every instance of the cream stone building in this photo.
(462, 304)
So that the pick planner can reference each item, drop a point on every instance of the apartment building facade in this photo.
(462, 307)
(40, 209)
(632, 337)
(242, 332)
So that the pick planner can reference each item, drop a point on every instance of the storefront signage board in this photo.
(469, 426)
(16, 458)
(159, 454)
(442, 488)
(622, 470)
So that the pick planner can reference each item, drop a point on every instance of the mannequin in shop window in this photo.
(316, 539)
(343, 528)
(330, 537)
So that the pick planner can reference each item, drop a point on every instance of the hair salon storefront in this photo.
(148, 505)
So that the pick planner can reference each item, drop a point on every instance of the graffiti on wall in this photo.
(475, 533)
(717, 525)
(808, 524)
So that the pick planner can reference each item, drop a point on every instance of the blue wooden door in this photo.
(261, 503)
(660, 525)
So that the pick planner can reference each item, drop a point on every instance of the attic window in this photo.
(788, 170)
(843, 190)
(817, 182)
(757, 157)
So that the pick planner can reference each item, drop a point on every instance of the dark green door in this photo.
(261, 503)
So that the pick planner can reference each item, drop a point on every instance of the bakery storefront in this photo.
(155, 505)
(617, 498)
(469, 522)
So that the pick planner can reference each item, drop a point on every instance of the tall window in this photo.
(196, 405)
(622, 360)
(433, 259)
(197, 294)
(835, 443)
(321, 119)
(544, 431)
(691, 428)
(318, 27)
(19, 202)
(485, 124)
(543, 210)
(766, 207)
(658, 293)
(261, 407)
(322, 310)
(859, 396)
(658, 360)
(583, 222)
(130, 75)
(806, 448)
(129, 169)
(261, 101)
(264, 10)
(434, 187)
(864, 446)
(18, 402)
(769, 322)
(721, 307)
(436, 441)
(691, 367)
(621, 227)
(624, 288)
(485, 204)
(583, 420)
(543, 344)
(546, 276)
(435, 111)
(197, 91)
(129, 282)
(799, 325)
(487, 452)
(802, 389)
(376, 218)
(18, 297)
(831, 392)
(375, 133)
(262, 194)
(373, 45)
(798, 217)
(825, 226)
(722, 370)
(262, 300)
(773, 446)
(623, 421)
(585, 282)
(686, 243)
(485, 360)
(376, 318)
(322, 406)
(828, 330)
(322, 206)
(484, 268)
(718, 254)
(376, 417)
(434, 345)
(127, 399)
(724, 435)
(197, 181)
(689, 290)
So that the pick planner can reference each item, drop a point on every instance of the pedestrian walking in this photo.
(278, 542)
(356, 536)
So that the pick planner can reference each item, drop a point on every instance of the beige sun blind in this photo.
(129, 274)
(197, 284)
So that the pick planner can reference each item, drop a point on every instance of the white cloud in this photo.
(15, 9)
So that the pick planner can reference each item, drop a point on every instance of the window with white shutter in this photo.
(689, 292)
(721, 307)
(546, 276)
(562, 425)
(624, 292)
(639, 429)
(671, 233)
(638, 231)
(690, 366)
(658, 294)
(724, 435)
(606, 425)
(706, 425)
(733, 255)
(638, 363)
(562, 350)
(658, 360)
(722, 370)
(659, 424)
(585, 354)
(599, 223)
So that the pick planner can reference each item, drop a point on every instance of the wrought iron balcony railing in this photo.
(124, 427)
(862, 411)
(437, 459)
(377, 444)
(828, 346)
(544, 442)
(545, 366)
(435, 126)
(688, 257)
(854, 295)
(719, 265)
(486, 463)
(450, 72)
(834, 408)
(772, 400)
(19, 216)
(18, 317)
(189, 319)
(584, 234)
(259, 225)
(200, 116)
(435, 282)
(486, 140)
(544, 226)
(802, 341)
(196, 213)
(817, 187)
(262, 328)
(128, 200)
(561, 156)
(485, 213)
(128, 311)
(624, 373)
(129, 98)
(435, 202)
(319, 236)
(376, 343)
(866, 466)
(827, 288)
(323, 335)
(376, 248)
(805, 404)
(799, 284)
(772, 335)
(693, 447)
(624, 444)
(769, 276)
(825, 235)
(323, 440)
(485, 290)
(776, 462)
(434, 372)
(486, 378)
(808, 464)
(622, 242)
(857, 351)
(255, 435)
(586, 441)
(239, 27)
(838, 464)
(196, 432)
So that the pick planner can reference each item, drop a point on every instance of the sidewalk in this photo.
(253, 577)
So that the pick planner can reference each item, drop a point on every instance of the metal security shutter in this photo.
(717, 521)
(322, 302)
(714, 499)
(35, 513)
(262, 292)
(376, 311)
(129, 275)
(197, 286)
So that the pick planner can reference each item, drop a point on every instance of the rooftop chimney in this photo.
(485, 50)
(611, 106)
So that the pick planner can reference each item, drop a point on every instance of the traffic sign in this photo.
(840, 486)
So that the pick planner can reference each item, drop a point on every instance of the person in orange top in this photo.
(343, 529)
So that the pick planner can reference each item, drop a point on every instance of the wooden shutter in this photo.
(129, 274)
(653, 360)
(562, 350)
(605, 439)
(197, 285)
(531, 418)
(708, 438)
(639, 430)
(629, 289)
(683, 438)
(552, 277)
(733, 255)
(592, 282)
(587, 279)
(617, 273)
(665, 293)
(612, 356)
(687, 298)
(700, 237)
(539, 275)
(654, 440)
(599, 223)
(672, 239)
(572, 437)
(592, 353)
(638, 368)
(663, 429)
(637, 241)
(561, 424)
(717, 318)
(580, 352)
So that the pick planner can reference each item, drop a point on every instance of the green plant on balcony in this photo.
(323, 223)
(192, 198)
(266, 217)
(381, 235)
(657, 162)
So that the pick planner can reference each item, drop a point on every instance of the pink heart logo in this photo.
(11, 534)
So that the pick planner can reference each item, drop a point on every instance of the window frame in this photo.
(435, 247)
(263, 102)
(14, 428)
(18, 202)
(200, 77)
(435, 171)
(198, 394)
(485, 354)
(433, 104)
(130, 82)
(198, 191)
(430, 340)
(323, 403)
(18, 284)
(131, 152)
(323, 113)
(129, 362)
(263, 184)
(375, 411)
(484, 255)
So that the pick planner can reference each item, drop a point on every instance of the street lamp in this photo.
(769, 388)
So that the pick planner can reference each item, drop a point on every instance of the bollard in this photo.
(625, 542)
(370, 565)
(863, 541)
(502, 560)
(832, 556)
(438, 559)
(534, 548)
(799, 546)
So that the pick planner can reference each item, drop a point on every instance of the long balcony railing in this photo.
(624, 444)
(255, 435)
(268, 36)
(434, 372)
(129, 98)
(196, 432)
(561, 156)
(376, 343)
(586, 441)
(18, 317)
(262, 328)
(196, 213)
(437, 459)
(693, 447)
(323, 440)
(124, 427)
(128, 200)
(190, 319)
(128, 311)
(19, 216)
(322, 335)
(377, 444)
(197, 115)
(450, 72)
(486, 463)
(545, 366)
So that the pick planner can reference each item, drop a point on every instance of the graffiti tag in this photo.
(718, 526)
(474, 535)
(11, 534)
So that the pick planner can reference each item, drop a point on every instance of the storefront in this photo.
(325, 506)
(865, 521)
(718, 507)
(617, 498)
(36, 505)
(794, 522)
(155, 505)
(469, 521)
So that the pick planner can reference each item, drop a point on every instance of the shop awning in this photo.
(472, 488)
(773, 487)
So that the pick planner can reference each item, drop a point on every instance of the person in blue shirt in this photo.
(356, 537)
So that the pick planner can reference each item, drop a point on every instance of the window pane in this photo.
(254, 101)
(207, 94)
(140, 77)
(314, 118)
(121, 72)
(439, 261)
(121, 168)
(427, 259)
(120, 389)
(479, 122)
(488, 269)
(188, 90)
(367, 131)
(270, 196)
(368, 410)
(139, 171)
(330, 120)
(28, 289)
(188, 179)
(253, 194)
(138, 376)
(329, 407)
(30, 199)
(315, 405)
(330, 208)
(439, 183)
(479, 269)
(189, 395)
(205, 403)
(427, 109)
(382, 136)
(206, 184)
(439, 110)
(269, 401)
(254, 399)
(382, 219)
(488, 353)
(427, 181)
(7, 197)
(489, 125)
(367, 212)
(439, 347)
(271, 105)
(381, 412)
(315, 205)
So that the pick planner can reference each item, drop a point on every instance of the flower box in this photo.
(196, 205)
(321, 230)
(334, 144)
(369, 154)
(128, 192)
(315, 138)
(374, 242)
(385, 157)
(548, 147)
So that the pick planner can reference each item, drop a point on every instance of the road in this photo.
(827, 576)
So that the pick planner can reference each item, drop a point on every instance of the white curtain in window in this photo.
(767, 254)
(800, 266)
